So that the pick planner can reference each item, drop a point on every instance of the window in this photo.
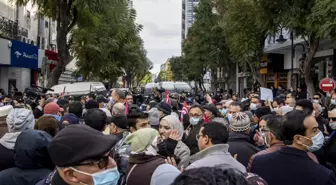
(46, 24)
(43, 43)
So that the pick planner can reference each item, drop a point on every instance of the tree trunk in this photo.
(256, 76)
(64, 11)
(313, 46)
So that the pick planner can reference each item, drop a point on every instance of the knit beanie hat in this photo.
(141, 139)
(51, 108)
(70, 118)
(239, 122)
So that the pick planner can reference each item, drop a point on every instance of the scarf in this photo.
(9, 139)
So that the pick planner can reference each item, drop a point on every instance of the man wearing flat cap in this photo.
(82, 156)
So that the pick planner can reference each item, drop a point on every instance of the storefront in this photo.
(272, 70)
(23, 62)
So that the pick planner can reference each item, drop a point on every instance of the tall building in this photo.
(188, 15)
(130, 3)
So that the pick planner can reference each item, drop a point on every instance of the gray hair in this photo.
(118, 109)
(222, 121)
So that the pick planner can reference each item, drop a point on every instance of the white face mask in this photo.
(316, 101)
(318, 141)
(333, 102)
(333, 125)
(253, 106)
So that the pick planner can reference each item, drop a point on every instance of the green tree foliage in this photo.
(312, 20)
(162, 76)
(112, 46)
(204, 47)
(325, 15)
(246, 27)
(67, 13)
(178, 67)
(147, 79)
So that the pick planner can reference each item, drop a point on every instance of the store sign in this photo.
(24, 55)
(282, 77)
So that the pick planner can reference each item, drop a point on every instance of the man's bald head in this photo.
(118, 109)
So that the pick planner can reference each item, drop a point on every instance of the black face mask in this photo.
(167, 148)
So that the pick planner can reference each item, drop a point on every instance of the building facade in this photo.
(279, 67)
(188, 15)
(130, 4)
(24, 37)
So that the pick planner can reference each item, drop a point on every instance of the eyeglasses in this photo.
(333, 119)
(316, 98)
(102, 163)
(198, 136)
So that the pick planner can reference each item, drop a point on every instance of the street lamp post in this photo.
(293, 54)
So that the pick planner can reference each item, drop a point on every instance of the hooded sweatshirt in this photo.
(18, 120)
(31, 157)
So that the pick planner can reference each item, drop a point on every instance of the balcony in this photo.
(11, 29)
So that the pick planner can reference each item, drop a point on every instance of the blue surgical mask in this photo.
(318, 141)
(224, 111)
(107, 177)
(229, 116)
(194, 121)
(333, 102)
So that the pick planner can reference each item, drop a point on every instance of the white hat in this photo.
(5, 110)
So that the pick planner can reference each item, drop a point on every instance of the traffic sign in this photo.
(327, 84)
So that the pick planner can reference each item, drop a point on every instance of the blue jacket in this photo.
(31, 159)
(290, 166)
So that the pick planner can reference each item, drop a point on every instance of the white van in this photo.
(170, 86)
(78, 89)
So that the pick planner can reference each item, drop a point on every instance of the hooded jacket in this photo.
(241, 144)
(32, 159)
(18, 120)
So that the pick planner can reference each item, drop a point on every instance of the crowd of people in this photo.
(169, 141)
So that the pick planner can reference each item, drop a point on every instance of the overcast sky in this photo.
(162, 28)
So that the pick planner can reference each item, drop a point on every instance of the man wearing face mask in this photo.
(195, 119)
(316, 98)
(301, 134)
(330, 145)
(82, 156)
(272, 135)
(255, 103)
